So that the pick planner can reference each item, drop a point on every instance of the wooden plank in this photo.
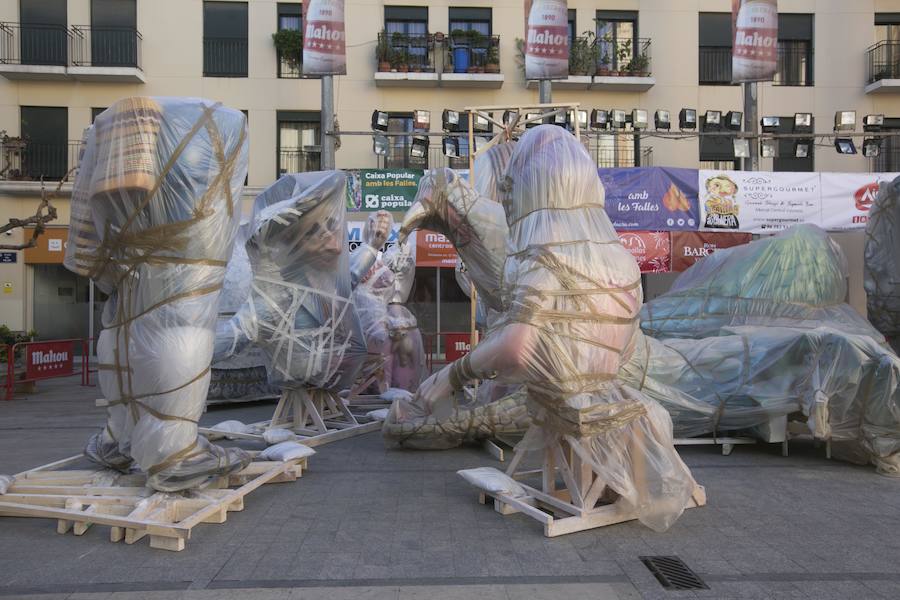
(50, 466)
(334, 436)
(494, 450)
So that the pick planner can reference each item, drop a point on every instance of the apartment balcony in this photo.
(84, 53)
(299, 160)
(23, 160)
(884, 68)
(608, 66)
(106, 54)
(224, 57)
(715, 65)
(435, 61)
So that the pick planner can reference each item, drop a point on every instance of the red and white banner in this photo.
(324, 41)
(651, 249)
(546, 39)
(847, 198)
(434, 250)
(690, 246)
(457, 345)
(754, 53)
(49, 359)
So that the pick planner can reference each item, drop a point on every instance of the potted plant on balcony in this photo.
(520, 54)
(400, 61)
(603, 65)
(492, 62)
(476, 42)
(13, 149)
(383, 53)
(289, 44)
(640, 64)
(624, 55)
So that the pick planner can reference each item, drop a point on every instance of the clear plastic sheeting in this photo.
(882, 262)
(797, 279)
(408, 366)
(299, 310)
(493, 481)
(155, 208)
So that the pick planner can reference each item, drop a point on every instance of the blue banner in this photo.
(652, 198)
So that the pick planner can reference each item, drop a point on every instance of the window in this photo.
(224, 39)
(572, 28)
(299, 139)
(884, 56)
(787, 158)
(617, 32)
(95, 112)
(407, 29)
(715, 49)
(471, 20)
(716, 148)
(46, 153)
(290, 16)
(398, 156)
(795, 50)
(44, 34)
(611, 151)
(888, 159)
(113, 34)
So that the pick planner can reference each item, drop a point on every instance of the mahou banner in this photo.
(324, 42)
(546, 39)
(754, 52)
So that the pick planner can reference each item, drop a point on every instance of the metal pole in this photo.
(327, 123)
(437, 271)
(546, 91)
(751, 125)
(90, 317)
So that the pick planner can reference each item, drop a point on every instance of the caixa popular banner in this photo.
(49, 359)
(651, 198)
(382, 189)
(754, 53)
(324, 42)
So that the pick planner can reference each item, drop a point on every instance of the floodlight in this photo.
(662, 120)
(803, 149)
(712, 120)
(582, 116)
(803, 123)
(450, 120)
(421, 120)
(741, 147)
(871, 147)
(450, 146)
(561, 119)
(640, 118)
(873, 122)
(687, 118)
(617, 118)
(379, 120)
(380, 145)
(770, 124)
(768, 148)
(419, 147)
(845, 120)
(532, 119)
(480, 123)
(599, 119)
(734, 120)
(844, 146)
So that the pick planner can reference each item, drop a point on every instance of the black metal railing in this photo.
(884, 61)
(224, 57)
(22, 160)
(26, 44)
(105, 46)
(290, 69)
(795, 63)
(610, 151)
(298, 160)
(715, 65)
(603, 57)
(405, 52)
(473, 53)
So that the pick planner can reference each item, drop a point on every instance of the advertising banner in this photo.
(758, 201)
(434, 250)
(546, 39)
(847, 198)
(457, 345)
(651, 249)
(651, 198)
(324, 42)
(382, 189)
(355, 235)
(49, 359)
(690, 246)
(754, 51)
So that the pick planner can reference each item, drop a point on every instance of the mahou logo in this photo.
(865, 196)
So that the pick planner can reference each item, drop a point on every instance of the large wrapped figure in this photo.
(155, 208)
(882, 262)
(571, 297)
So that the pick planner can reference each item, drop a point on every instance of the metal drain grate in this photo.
(672, 573)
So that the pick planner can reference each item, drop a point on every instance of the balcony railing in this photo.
(298, 160)
(610, 151)
(403, 52)
(224, 57)
(105, 46)
(24, 44)
(602, 57)
(290, 69)
(28, 161)
(473, 54)
(795, 63)
(715, 65)
(884, 61)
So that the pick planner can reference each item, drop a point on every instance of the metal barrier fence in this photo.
(46, 360)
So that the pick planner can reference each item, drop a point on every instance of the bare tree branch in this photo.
(45, 213)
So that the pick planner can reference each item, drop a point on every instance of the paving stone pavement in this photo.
(366, 522)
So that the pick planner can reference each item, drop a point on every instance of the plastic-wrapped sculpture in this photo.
(407, 349)
(155, 208)
(571, 296)
(299, 311)
(241, 377)
(882, 262)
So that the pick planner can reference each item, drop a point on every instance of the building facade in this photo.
(62, 62)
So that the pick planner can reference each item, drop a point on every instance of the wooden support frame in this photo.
(315, 416)
(581, 503)
(80, 498)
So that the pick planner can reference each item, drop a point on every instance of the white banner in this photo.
(847, 197)
(758, 201)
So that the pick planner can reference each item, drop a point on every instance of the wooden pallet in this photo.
(79, 498)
